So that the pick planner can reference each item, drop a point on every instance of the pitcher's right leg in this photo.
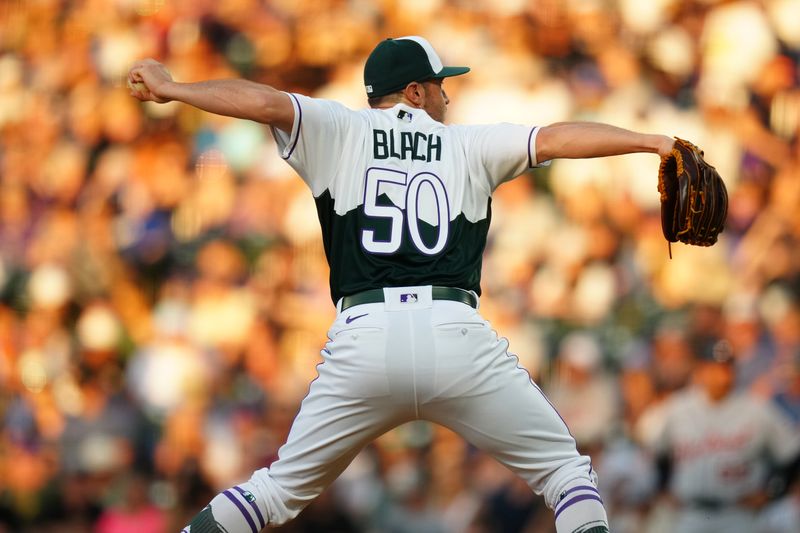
(314, 455)
(348, 405)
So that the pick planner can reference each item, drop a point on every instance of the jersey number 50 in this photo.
(409, 213)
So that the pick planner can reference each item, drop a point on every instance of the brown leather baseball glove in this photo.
(694, 200)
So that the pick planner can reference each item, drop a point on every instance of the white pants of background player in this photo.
(431, 360)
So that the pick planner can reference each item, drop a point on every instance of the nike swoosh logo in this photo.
(351, 318)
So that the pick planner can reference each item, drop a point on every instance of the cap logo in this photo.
(369, 89)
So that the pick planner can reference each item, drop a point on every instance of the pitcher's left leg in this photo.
(500, 410)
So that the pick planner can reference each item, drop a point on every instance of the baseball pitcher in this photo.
(404, 204)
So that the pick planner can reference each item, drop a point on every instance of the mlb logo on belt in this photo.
(407, 298)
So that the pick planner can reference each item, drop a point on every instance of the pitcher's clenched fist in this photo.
(147, 79)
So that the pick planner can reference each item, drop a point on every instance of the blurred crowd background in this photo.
(163, 287)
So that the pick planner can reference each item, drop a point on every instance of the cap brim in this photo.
(448, 72)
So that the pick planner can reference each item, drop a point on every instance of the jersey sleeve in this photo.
(501, 152)
(314, 147)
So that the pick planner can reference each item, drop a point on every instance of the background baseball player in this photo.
(719, 449)
(404, 202)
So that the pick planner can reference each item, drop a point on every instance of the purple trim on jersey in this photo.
(253, 505)
(577, 499)
(530, 157)
(299, 125)
(242, 510)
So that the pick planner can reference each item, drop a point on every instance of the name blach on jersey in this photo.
(415, 146)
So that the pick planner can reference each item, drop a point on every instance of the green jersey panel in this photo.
(354, 269)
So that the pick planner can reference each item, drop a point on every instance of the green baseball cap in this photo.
(395, 63)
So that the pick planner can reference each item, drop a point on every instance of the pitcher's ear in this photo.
(415, 93)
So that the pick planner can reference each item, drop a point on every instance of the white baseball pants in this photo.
(393, 362)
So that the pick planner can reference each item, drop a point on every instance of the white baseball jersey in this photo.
(721, 452)
(402, 199)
